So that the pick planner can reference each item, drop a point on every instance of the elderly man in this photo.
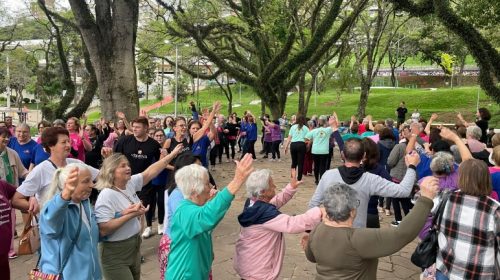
(366, 184)
(260, 247)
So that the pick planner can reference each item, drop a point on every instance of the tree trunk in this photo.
(229, 105)
(147, 92)
(90, 88)
(393, 76)
(110, 39)
(363, 99)
(302, 109)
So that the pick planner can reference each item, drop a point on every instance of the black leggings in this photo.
(224, 146)
(320, 164)
(232, 144)
(276, 149)
(152, 195)
(298, 152)
(249, 148)
(405, 204)
(214, 152)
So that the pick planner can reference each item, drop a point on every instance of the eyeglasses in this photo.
(181, 125)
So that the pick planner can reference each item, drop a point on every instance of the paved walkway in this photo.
(296, 266)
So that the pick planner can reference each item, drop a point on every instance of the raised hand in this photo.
(120, 115)
(293, 179)
(243, 169)
(216, 107)
(429, 187)
(412, 159)
(70, 184)
(106, 152)
(447, 134)
(434, 117)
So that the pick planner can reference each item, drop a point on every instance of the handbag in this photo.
(426, 252)
(29, 242)
(36, 274)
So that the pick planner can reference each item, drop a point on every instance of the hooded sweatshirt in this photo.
(260, 246)
(385, 147)
(366, 184)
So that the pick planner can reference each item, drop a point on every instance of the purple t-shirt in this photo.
(267, 135)
(6, 193)
(449, 183)
(275, 133)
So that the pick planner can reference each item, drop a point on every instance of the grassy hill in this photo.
(381, 103)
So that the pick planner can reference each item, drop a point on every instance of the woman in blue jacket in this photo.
(68, 227)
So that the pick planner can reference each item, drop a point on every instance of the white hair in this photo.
(59, 179)
(257, 182)
(474, 132)
(191, 179)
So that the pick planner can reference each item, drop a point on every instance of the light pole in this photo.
(176, 80)
(8, 82)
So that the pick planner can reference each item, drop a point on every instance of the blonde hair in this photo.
(106, 177)
(59, 179)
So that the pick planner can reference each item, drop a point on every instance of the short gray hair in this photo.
(442, 163)
(322, 120)
(474, 132)
(257, 182)
(340, 199)
(191, 179)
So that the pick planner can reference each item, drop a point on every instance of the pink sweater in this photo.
(260, 248)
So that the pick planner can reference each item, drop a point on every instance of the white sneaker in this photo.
(146, 233)
(160, 229)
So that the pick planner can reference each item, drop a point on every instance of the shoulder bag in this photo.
(426, 252)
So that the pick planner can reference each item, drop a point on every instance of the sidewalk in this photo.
(295, 266)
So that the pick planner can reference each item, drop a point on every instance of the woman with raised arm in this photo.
(68, 227)
(191, 252)
(118, 211)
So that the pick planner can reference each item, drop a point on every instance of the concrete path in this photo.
(296, 266)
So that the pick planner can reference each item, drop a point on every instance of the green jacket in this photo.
(191, 252)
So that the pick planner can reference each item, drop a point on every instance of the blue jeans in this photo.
(441, 276)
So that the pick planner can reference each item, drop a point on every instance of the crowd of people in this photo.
(97, 188)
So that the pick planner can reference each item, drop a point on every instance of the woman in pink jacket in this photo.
(261, 246)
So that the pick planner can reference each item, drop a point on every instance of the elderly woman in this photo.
(68, 228)
(343, 252)
(55, 141)
(260, 247)
(174, 197)
(118, 211)
(462, 255)
(191, 251)
(23, 144)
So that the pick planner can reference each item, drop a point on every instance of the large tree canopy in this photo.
(255, 42)
(486, 56)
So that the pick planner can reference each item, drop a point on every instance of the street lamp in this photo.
(176, 80)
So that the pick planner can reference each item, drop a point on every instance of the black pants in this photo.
(276, 149)
(223, 147)
(268, 148)
(214, 152)
(372, 221)
(232, 144)
(320, 163)
(298, 152)
(249, 147)
(405, 204)
(330, 157)
(152, 195)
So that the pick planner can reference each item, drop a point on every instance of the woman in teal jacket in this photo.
(191, 251)
(68, 228)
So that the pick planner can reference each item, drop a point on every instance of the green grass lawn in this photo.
(381, 103)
